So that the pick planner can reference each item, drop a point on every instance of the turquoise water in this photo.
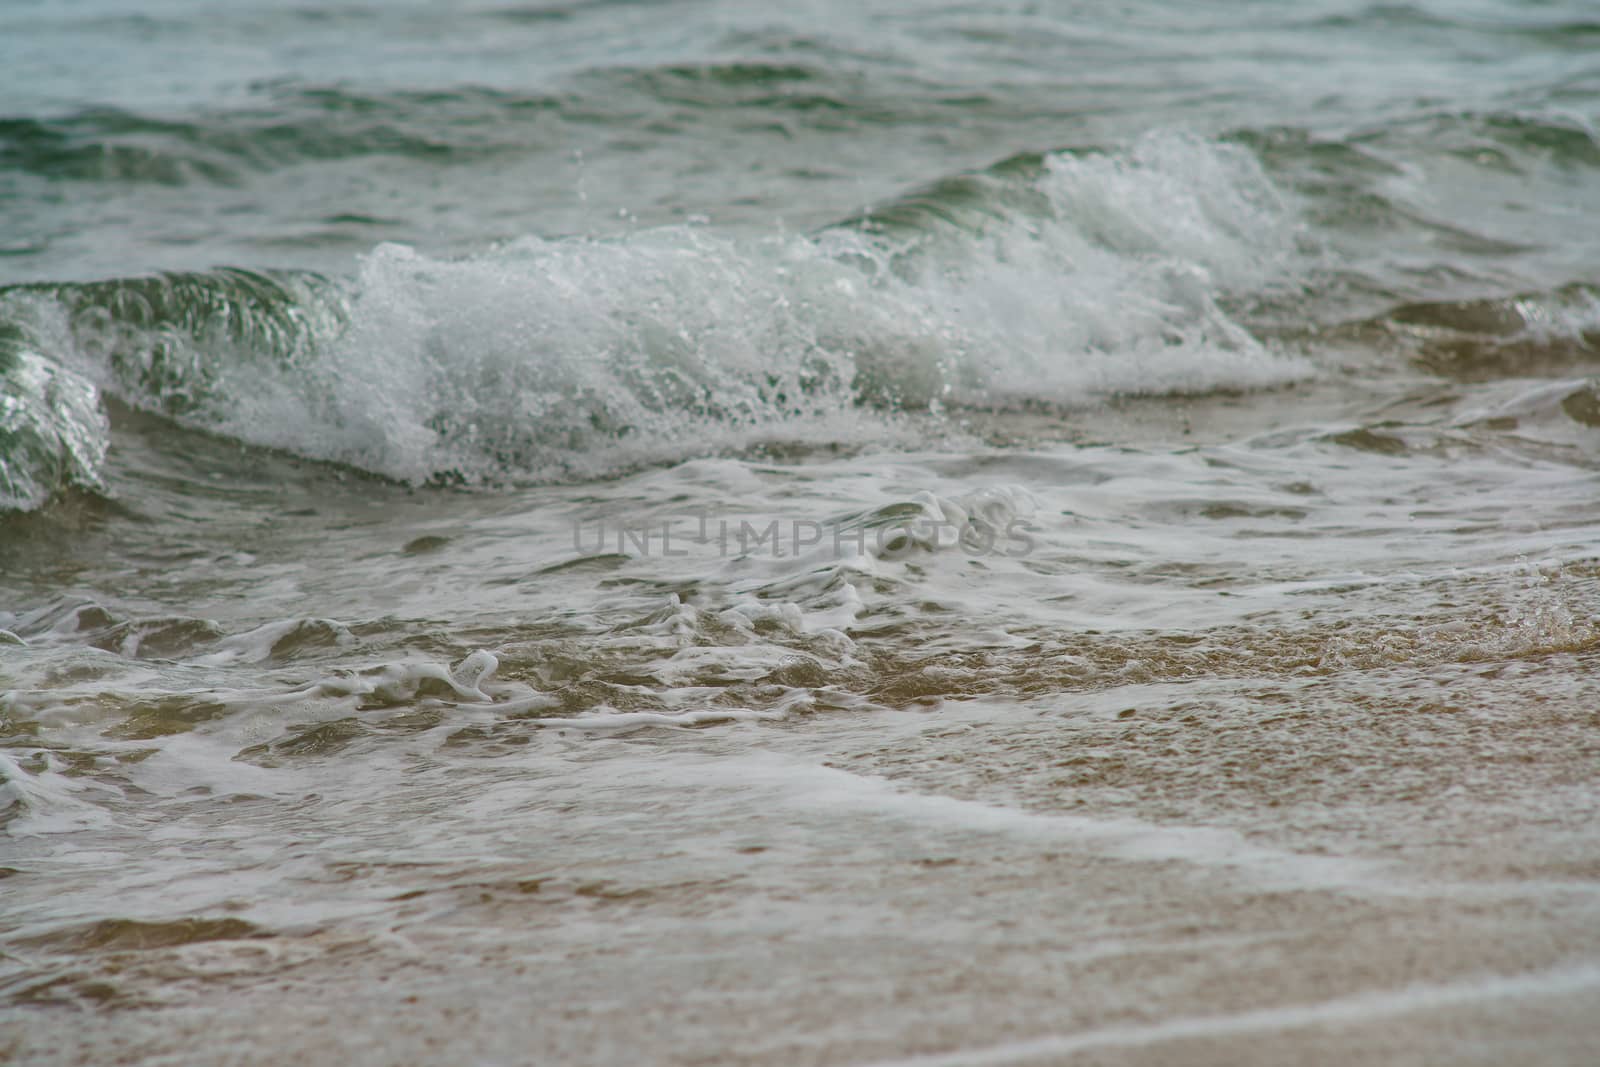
(373, 376)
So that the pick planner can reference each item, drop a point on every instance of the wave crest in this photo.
(53, 432)
(1088, 274)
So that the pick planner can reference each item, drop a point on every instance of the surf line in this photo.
(1356, 1009)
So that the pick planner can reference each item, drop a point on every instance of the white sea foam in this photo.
(53, 431)
(46, 801)
(552, 359)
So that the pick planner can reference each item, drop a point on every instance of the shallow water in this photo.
(983, 533)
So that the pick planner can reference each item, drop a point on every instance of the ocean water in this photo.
(712, 533)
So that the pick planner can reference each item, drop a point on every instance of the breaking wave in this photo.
(1071, 277)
